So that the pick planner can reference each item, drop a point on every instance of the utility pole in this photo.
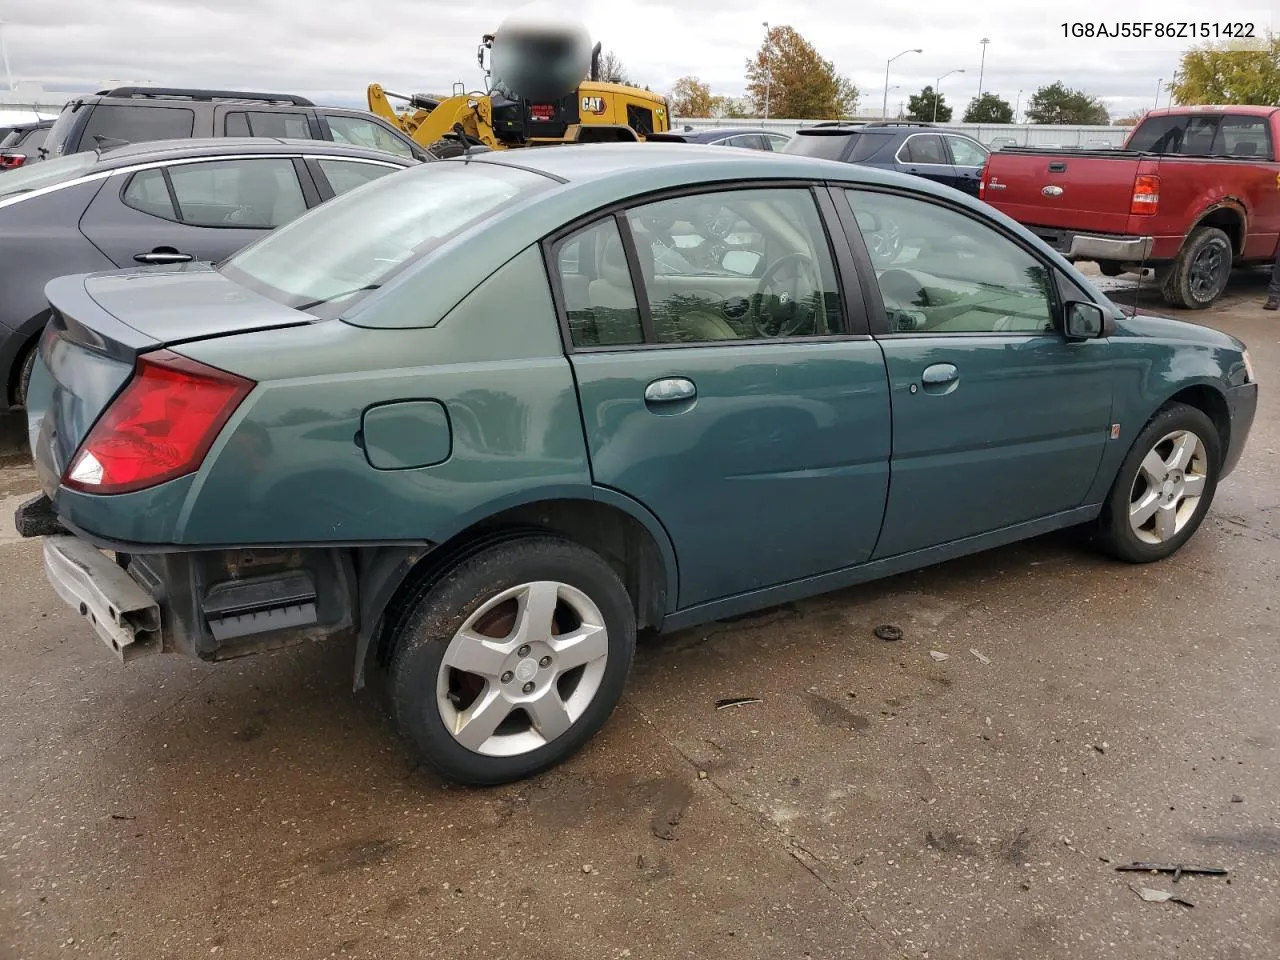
(768, 68)
(982, 66)
(884, 109)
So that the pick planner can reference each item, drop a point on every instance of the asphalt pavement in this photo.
(876, 802)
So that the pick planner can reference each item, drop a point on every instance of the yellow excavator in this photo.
(535, 64)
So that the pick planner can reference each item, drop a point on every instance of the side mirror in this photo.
(743, 262)
(1084, 321)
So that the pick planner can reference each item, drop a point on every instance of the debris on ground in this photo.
(1177, 869)
(887, 631)
(736, 702)
(939, 655)
(1101, 747)
(1159, 896)
(980, 657)
(1236, 798)
(587, 868)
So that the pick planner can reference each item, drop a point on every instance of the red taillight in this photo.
(11, 161)
(1146, 196)
(982, 182)
(160, 427)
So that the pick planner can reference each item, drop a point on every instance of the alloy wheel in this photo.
(1168, 487)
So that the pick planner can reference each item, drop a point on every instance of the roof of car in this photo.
(27, 125)
(221, 146)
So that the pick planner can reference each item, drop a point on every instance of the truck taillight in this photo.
(160, 426)
(982, 182)
(1146, 196)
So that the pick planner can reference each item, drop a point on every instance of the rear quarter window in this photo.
(136, 124)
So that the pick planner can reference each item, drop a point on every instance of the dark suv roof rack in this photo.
(901, 123)
(179, 92)
(840, 123)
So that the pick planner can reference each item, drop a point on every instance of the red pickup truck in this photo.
(1193, 191)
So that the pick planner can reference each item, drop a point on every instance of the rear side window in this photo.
(256, 194)
(138, 124)
(256, 123)
(826, 146)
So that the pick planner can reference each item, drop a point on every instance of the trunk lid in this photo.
(100, 323)
(1086, 190)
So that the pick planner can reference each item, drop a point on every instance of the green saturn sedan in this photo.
(486, 418)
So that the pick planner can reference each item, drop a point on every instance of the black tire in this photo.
(1199, 275)
(24, 377)
(435, 616)
(1114, 532)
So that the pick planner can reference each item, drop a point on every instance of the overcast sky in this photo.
(338, 47)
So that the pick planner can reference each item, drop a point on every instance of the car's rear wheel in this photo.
(1199, 275)
(511, 661)
(24, 377)
(1164, 487)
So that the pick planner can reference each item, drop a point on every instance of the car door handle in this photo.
(671, 394)
(940, 378)
(163, 256)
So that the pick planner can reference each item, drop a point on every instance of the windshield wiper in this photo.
(337, 296)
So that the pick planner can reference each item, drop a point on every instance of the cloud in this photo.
(331, 51)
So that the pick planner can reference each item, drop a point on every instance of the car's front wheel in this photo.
(1164, 487)
(512, 660)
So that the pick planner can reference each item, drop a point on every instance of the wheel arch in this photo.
(1229, 216)
(1209, 398)
(622, 531)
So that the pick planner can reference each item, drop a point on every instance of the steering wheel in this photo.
(884, 244)
(792, 312)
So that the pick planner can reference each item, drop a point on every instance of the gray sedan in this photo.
(152, 203)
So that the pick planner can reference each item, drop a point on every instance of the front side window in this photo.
(365, 133)
(357, 241)
(966, 153)
(736, 265)
(923, 148)
(940, 271)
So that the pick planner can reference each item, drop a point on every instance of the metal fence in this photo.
(992, 134)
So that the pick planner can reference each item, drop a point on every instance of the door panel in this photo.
(776, 469)
(997, 419)
(760, 443)
(967, 160)
(123, 232)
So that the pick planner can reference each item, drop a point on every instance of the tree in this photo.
(1227, 73)
(690, 97)
(1127, 121)
(920, 106)
(731, 108)
(612, 70)
(789, 73)
(1056, 103)
(988, 108)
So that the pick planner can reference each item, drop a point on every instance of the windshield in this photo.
(828, 146)
(358, 240)
(26, 179)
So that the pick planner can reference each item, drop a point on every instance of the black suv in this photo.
(137, 114)
(904, 145)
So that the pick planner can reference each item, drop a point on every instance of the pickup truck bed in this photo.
(1190, 217)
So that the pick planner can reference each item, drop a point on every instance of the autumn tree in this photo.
(612, 70)
(1056, 103)
(793, 78)
(690, 97)
(1229, 74)
(921, 106)
(988, 108)
(1131, 121)
(730, 108)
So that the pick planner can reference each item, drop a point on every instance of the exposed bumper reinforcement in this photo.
(1123, 249)
(125, 616)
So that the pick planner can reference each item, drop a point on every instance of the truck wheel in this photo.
(1164, 487)
(512, 660)
(1199, 274)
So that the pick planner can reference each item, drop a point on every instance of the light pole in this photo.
(1016, 104)
(768, 69)
(4, 51)
(982, 66)
(937, 91)
(884, 109)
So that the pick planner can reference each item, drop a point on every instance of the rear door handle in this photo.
(163, 256)
(940, 378)
(671, 394)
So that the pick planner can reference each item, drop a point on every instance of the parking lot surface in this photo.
(875, 802)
